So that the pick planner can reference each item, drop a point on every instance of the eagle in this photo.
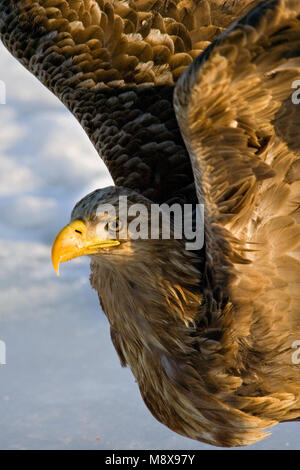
(188, 102)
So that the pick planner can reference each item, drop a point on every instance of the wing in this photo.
(237, 111)
(114, 65)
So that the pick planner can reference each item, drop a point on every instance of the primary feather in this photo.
(209, 336)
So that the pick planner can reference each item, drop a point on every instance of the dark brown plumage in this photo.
(208, 336)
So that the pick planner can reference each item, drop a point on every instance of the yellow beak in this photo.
(72, 241)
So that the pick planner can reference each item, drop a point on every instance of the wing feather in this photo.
(114, 65)
(235, 110)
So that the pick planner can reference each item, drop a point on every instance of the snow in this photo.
(62, 386)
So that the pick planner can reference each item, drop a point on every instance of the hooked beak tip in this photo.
(68, 244)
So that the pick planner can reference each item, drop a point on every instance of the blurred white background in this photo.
(62, 386)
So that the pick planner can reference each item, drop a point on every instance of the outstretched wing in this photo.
(236, 106)
(114, 64)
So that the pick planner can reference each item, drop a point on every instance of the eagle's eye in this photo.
(114, 225)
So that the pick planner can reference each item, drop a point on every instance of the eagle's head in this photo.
(99, 225)
(113, 222)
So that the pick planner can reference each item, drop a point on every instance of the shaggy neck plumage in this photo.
(163, 347)
(161, 273)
